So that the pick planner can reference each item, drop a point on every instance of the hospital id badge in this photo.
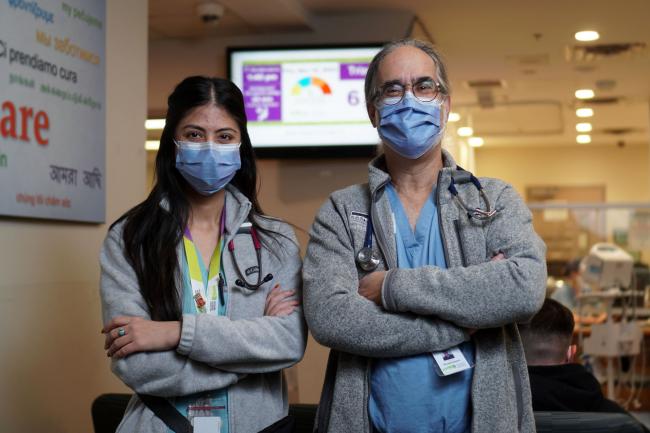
(450, 361)
(206, 424)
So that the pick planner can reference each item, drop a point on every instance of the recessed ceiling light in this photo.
(584, 112)
(454, 117)
(476, 141)
(583, 139)
(587, 36)
(151, 145)
(154, 124)
(583, 127)
(465, 131)
(585, 94)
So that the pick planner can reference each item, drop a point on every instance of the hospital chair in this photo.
(108, 409)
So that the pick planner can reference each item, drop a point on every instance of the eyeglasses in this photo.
(424, 90)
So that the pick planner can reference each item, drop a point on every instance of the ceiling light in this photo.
(583, 127)
(587, 36)
(465, 131)
(585, 94)
(583, 138)
(454, 117)
(584, 112)
(476, 141)
(154, 124)
(151, 145)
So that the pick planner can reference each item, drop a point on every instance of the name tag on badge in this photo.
(450, 361)
(207, 424)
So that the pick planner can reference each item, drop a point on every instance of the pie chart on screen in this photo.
(309, 84)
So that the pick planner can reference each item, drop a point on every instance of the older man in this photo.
(417, 279)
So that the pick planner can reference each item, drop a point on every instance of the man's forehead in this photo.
(407, 63)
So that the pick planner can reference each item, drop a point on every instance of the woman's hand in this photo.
(277, 303)
(126, 335)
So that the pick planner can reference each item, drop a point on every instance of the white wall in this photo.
(52, 364)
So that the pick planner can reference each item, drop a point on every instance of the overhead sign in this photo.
(52, 109)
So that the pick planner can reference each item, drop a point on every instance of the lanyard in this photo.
(205, 298)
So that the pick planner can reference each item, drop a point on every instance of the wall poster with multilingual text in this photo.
(52, 109)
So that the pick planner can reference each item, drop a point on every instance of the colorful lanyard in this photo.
(205, 298)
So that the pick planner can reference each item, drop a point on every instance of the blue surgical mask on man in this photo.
(410, 127)
(207, 166)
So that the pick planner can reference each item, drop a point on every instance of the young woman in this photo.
(200, 289)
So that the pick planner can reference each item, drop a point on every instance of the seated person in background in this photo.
(558, 384)
(567, 294)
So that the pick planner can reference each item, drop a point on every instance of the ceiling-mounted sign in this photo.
(52, 109)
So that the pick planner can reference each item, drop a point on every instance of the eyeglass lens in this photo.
(424, 90)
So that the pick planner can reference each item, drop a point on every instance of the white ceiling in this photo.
(527, 45)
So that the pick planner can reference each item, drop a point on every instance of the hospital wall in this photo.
(52, 364)
(624, 172)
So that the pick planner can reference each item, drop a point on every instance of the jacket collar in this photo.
(237, 209)
(378, 175)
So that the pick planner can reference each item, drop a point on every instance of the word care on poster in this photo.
(52, 109)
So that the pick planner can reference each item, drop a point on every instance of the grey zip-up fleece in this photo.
(244, 351)
(427, 309)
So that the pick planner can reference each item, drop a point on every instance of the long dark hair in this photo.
(154, 228)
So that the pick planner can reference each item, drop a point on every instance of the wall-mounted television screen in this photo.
(306, 100)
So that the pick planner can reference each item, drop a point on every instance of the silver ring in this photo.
(121, 332)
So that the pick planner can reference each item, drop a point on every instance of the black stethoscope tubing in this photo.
(242, 281)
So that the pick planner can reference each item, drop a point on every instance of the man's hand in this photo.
(370, 286)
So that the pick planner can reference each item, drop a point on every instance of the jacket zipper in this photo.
(458, 228)
(441, 227)
(381, 241)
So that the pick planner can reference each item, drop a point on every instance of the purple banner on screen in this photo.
(263, 92)
(353, 71)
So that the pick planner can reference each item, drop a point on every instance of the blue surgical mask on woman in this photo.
(207, 166)
(410, 127)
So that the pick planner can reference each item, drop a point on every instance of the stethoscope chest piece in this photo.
(367, 259)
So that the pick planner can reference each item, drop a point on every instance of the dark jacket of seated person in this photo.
(557, 384)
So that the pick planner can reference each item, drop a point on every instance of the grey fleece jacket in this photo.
(244, 351)
(427, 309)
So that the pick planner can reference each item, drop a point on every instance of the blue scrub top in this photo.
(406, 394)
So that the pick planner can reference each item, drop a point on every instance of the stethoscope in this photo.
(368, 260)
(242, 281)
(476, 213)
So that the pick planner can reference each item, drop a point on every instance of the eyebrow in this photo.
(417, 80)
(200, 128)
